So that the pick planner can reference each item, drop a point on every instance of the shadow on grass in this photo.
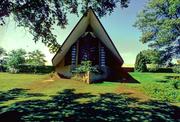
(168, 78)
(65, 106)
(172, 77)
(17, 93)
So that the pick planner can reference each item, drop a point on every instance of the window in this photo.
(88, 49)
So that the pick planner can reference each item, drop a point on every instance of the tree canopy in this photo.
(152, 56)
(159, 23)
(36, 58)
(39, 16)
(2, 51)
(15, 58)
(140, 63)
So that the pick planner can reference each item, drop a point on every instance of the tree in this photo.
(152, 56)
(15, 58)
(2, 51)
(178, 62)
(159, 23)
(39, 16)
(140, 64)
(36, 58)
(2, 59)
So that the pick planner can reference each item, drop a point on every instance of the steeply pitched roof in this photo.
(87, 19)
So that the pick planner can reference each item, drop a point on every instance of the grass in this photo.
(38, 83)
(39, 90)
(158, 85)
(10, 81)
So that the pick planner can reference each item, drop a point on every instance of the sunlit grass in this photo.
(36, 83)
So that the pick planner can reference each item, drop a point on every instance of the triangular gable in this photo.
(91, 19)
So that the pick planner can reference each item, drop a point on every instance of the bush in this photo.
(176, 69)
(13, 70)
(165, 70)
(175, 83)
(85, 67)
(35, 69)
(164, 92)
(140, 64)
(152, 67)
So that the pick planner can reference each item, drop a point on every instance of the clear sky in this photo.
(118, 25)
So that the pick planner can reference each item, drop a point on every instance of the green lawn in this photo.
(28, 93)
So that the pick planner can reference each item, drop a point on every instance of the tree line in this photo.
(13, 59)
(151, 61)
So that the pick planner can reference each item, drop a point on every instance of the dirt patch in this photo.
(49, 80)
(133, 93)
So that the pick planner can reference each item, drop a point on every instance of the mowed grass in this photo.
(152, 77)
(9, 81)
(30, 97)
(42, 84)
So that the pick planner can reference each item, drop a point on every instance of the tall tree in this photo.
(140, 63)
(2, 51)
(159, 23)
(39, 16)
(15, 58)
(36, 58)
(152, 56)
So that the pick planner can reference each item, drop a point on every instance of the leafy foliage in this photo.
(85, 67)
(15, 58)
(160, 26)
(39, 16)
(35, 69)
(19, 61)
(165, 92)
(140, 64)
(178, 62)
(2, 51)
(176, 83)
(152, 56)
(176, 69)
(153, 67)
(36, 58)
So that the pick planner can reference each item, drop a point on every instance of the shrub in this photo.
(140, 64)
(164, 92)
(175, 83)
(165, 70)
(35, 69)
(85, 67)
(13, 70)
(176, 69)
(152, 67)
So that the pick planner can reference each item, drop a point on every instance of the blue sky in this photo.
(118, 25)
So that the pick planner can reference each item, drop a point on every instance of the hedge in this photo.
(31, 69)
(35, 69)
(176, 69)
(163, 70)
(159, 70)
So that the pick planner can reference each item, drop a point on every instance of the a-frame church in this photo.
(89, 41)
